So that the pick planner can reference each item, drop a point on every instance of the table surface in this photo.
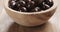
(8, 25)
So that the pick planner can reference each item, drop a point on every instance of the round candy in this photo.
(49, 2)
(30, 5)
(36, 9)
(23, 9)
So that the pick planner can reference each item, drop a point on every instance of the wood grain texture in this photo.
(6, 26)
(30, 19)
(47, 27)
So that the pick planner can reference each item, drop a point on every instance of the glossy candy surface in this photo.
(30, 5)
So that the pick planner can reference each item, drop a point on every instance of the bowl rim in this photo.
(50, 9)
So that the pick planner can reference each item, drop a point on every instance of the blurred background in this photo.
(1, 5)
(55, 19)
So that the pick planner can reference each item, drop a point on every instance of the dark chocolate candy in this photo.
(30, 5)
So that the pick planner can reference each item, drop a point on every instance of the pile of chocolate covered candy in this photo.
(30, 5)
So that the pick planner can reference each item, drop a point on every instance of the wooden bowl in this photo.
(32, 18)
